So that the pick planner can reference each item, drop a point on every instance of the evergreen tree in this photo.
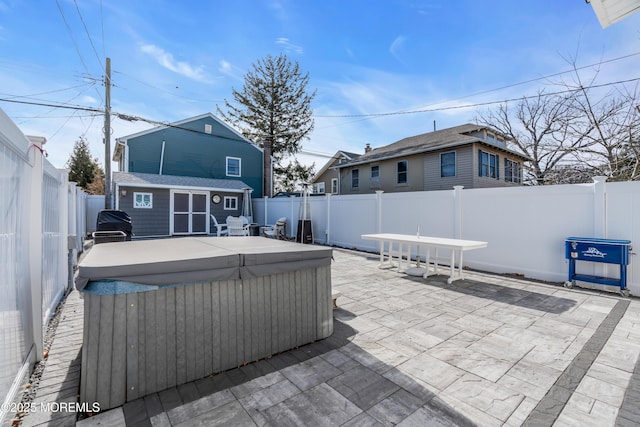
(97, 185)
(82, 168)
(290, 176)
(273, 109)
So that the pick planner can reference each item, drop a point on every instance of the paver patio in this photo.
(489, 350)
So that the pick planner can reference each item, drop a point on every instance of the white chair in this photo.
(221, 229)
(237, 227)
(276, 231)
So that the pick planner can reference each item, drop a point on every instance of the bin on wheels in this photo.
(606, 251)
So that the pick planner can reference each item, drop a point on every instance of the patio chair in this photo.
(277, 230)
(237, 227)
(221, 229)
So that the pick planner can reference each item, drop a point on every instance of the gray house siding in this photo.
(217, 209)
(464, 169)
(156, 221)
(147, 222)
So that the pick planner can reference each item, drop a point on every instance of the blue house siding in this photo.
(189, 150)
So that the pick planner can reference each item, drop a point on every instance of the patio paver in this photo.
(489, 350)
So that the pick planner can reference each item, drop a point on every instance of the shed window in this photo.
(230, 203)
(334, 185)
(233, 166)
(355, 178)
(448, 164)
(143, 200)
(401, 172)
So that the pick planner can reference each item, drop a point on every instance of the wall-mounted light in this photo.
(123, 193)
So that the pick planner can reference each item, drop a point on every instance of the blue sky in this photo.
(177, 59)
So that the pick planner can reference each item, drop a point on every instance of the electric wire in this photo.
(86, 30)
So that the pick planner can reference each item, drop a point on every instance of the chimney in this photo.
(367, 148)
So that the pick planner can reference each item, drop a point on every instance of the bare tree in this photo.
(575, 133)
(539, 127)
(610, 122)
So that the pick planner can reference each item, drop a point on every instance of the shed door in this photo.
(189, 212)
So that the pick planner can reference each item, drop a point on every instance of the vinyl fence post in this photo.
(457, 211)
(599, 207)
(328, 230)
(379, 203)
(600, 218)
(35, 247)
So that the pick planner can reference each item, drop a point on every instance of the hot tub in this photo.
(159, 313)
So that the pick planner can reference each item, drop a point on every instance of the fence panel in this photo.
(95, 204)
(16, 327)
(54, 238)
(525, 226)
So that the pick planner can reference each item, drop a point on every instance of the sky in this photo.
(383, 70)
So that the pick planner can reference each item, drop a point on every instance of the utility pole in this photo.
(107, 136)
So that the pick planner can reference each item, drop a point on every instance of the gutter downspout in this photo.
(161, 159)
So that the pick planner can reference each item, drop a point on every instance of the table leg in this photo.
(452, 267)
(435, 261)
(426, 262)
(455, 276)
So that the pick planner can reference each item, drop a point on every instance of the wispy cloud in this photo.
(396, 47)
(167, 60)
(228, 69)
(288, 46)
(89, 100)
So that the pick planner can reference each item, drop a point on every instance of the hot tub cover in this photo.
(171, 261)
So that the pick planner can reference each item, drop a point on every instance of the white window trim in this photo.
(318, 187)
(230, 198)
(334, 180)
(239, 166)
(135, 195)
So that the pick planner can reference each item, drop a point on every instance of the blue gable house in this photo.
(167, 173)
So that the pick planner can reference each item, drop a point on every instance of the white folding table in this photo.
(455, 245)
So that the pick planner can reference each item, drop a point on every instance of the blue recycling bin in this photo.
(606, 251)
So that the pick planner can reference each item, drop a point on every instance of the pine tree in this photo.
(82, 168)
(274, 109)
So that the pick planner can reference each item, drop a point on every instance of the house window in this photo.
(375, 172)
(512, 171)
(230, 203)
(143, 200)
(401, 172)
(375, 177)
(233, 166)
(355, 178)
(334, 186)
(318, 188)
(488, 164)
(448, 164)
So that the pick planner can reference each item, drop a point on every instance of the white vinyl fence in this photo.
(525, 226)
(38, 245)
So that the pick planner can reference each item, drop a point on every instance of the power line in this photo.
(73, 39)
(479, 104)
(548, 76)
(86, 30)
